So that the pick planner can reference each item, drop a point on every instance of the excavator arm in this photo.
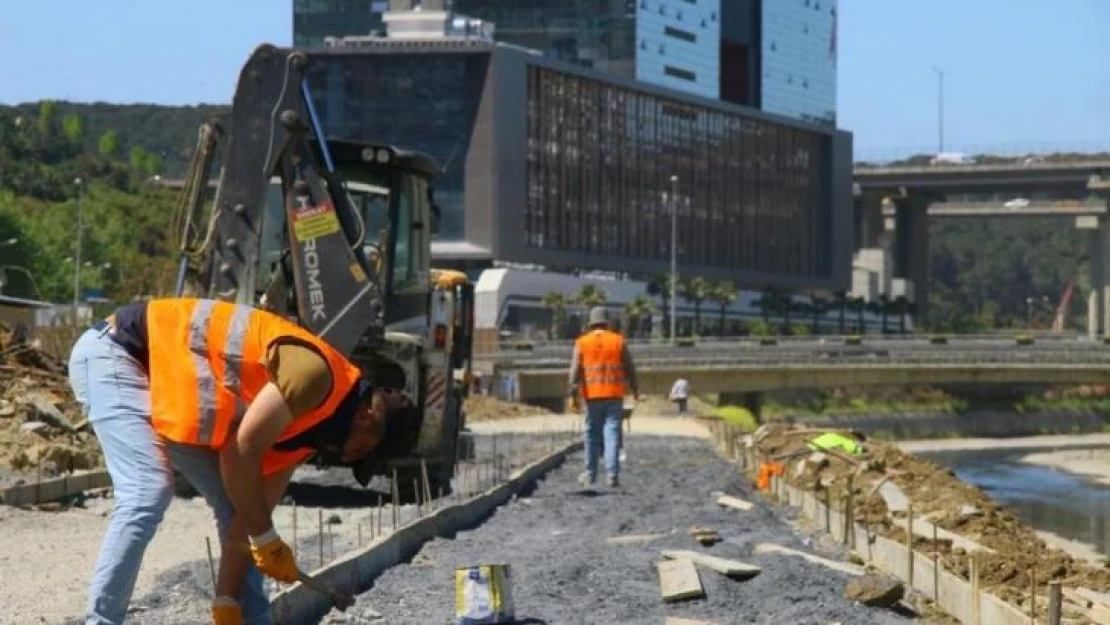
(273, 131)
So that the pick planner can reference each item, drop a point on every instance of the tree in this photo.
(841, 304)
(858, 305)
(901, 307)
(47, 110)
(556, 302)
(883, 308)
(591, 295)
(766, 303)
(109, 144)
(660, 286)
(724, 293)
(73, 128)
(636, 310)
(817, 307)
(696, 291)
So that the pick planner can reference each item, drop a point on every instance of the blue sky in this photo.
(1018, 72)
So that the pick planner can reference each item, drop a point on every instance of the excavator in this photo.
(336, 236)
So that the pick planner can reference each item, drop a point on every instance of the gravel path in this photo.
(565, 572)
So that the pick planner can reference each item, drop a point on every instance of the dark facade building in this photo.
(552, 164)
(775, 55)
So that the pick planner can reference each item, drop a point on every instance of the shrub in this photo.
(739, 417)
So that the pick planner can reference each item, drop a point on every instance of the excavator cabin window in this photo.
(383, 197)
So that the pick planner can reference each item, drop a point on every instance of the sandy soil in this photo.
(564, 571)
(1074, 548)
(46, 558)
(937, 495)
(1093, 463)
(1024, 442)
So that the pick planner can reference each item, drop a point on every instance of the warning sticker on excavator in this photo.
(315, 222)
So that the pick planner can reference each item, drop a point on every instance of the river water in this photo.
(1048, 499)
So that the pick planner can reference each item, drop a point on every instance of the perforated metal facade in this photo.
(750, 194)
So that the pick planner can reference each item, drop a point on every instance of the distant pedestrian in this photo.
(680, 394)
(601, 369)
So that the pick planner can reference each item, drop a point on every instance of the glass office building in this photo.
(678, 45)
(313, 20)
(799, 59)
(775, 55)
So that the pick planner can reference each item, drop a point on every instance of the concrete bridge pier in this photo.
(1098, 245)
(753, 401)
(869, 229)
(909, 231)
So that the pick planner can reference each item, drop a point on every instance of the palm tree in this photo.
(884, 308)
(766, 303)
(556, 302)
(841, 304)
(901, 306)
(858, 305)
(636, 310)
(660, 286)
(817, 307)
(591, 295)
(696, 291)
(875, 307)
(724, 293)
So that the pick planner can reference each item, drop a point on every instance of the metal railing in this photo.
(788, 358)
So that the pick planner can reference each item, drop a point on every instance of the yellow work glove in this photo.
(225, 611)
(273, 557)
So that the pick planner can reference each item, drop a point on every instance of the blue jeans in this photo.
(115, 393)
(603, 417)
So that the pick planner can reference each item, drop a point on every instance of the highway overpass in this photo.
(894, 202)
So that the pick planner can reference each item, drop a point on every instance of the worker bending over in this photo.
(235, 398)
(601, 369)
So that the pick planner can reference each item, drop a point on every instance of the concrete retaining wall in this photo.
(355, 572)
(954, 595)
(961, 599)
(56, 488)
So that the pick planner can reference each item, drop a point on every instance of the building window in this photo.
(678, 33)
(680, 73)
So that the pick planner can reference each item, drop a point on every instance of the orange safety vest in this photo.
(603, 374)
(207, 363)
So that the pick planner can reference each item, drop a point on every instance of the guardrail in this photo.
(781, 359)
(768, 349)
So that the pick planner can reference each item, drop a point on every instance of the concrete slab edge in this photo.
(54, 488)
(356, 571)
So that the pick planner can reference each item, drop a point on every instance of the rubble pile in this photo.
(42, 429)
(1014, 555)
(489, 408)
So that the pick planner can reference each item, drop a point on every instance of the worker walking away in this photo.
(601, 369)
(234, 398)
(680, 393)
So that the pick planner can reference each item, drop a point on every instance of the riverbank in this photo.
(1089, 463)
(1017, 442)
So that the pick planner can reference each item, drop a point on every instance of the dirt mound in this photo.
(1018, 555)
(488, 408)
(42, 429)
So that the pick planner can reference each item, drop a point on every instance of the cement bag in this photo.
(483, 595)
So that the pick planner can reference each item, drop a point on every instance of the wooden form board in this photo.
(734, 502)
(678, 580)
(843, 567)
(729, 568)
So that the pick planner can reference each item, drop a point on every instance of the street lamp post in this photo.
(674, 256)
(77, 259)
(940, 109)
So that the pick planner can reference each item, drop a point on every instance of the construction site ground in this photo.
(564, 570)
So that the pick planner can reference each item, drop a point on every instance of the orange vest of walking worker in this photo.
(207, 363)
(603, 375)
